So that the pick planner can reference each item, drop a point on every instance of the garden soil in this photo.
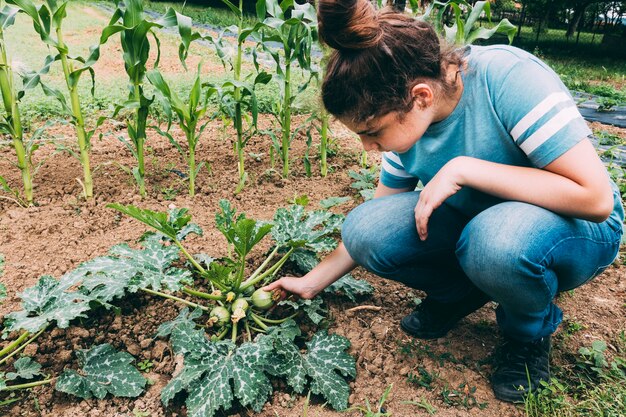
(63, 230)
(450, 374)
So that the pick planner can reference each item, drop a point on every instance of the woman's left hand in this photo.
(444, 184)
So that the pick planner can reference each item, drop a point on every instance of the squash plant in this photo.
(265, 342)
(294, 27)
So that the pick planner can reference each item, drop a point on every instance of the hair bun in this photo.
(348, 24)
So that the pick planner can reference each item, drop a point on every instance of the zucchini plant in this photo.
(463, 30)
(237, 96)
(135, 29)
(47, 21)
(189, 113)
(294, 27)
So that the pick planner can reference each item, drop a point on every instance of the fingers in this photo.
(422, 215)
(274, 285)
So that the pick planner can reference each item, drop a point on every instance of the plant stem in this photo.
(270, 321)
(78, 116)
(222, 334)
(263, 265)
(239, 144)
(270, 271)
(233, 336)
(188, 256)
(256, 319)
(324, 144)
(28, 385)
(192, 163)
(248, 332)
(14, 344)
(23, 346)
(286, 118)
(9, 99)
(201, 294)
(173, 297)
(140, 132)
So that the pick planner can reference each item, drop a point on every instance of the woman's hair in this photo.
(378, 57)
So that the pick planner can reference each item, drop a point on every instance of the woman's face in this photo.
(391, 132)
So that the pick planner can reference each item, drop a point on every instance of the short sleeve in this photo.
(393, 174)
(538, 112)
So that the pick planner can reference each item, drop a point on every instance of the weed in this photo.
(608, 139)
(423, 404)
(380, 411)
(463, 396)
(423, 378)
(145, 365)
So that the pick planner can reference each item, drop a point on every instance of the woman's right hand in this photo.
(299, 286)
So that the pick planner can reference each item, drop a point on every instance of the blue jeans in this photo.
(519, 254)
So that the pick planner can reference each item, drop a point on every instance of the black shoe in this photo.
(520, 368)
(433, 319)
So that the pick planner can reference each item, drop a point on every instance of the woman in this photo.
(516, 205)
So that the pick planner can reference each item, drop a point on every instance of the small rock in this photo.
(145, 343)
(79, 332)
(31, 350)
(134, 349)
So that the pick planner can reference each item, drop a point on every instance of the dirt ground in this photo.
(64, 230)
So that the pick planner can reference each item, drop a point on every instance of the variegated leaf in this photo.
(294, 227)
(47, 302)
(104, 370)
(25, 368)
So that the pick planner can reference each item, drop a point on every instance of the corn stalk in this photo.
(135, 29)
(237, 96)
(189, 112)
(10, 123)
(294, 27)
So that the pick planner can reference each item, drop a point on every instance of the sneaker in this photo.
(433, 319)
(520, 368)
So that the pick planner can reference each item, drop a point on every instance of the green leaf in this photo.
(327, 364)
(220, 373)
(25, 368)
(46, 302)
(153, 266)
(350, 287)
(294, 227)
(333, 201)
(313, 308)
(184, 317)
(103, 370)
(174, 225)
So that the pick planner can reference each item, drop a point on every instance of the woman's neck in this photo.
(447, 104)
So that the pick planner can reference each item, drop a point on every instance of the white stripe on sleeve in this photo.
(537, 113)
(393, 158)
(552, 126)
(395, 171)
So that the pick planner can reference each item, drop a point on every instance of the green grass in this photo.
(594, 386)
(220, 17)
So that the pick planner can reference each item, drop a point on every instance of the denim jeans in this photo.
(519, 254)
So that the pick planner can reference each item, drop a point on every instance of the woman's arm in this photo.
(575, 184)
(334, 266)
(382, 190)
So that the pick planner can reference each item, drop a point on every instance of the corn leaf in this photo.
(46, 302)
(103, 370)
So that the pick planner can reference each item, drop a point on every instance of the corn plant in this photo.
(189, 112)
(237, 95)
(48, 20)
(294, 27)
(129, 20)
(462, 30)
(10, 122)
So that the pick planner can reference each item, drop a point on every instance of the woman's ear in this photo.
(423, 96)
